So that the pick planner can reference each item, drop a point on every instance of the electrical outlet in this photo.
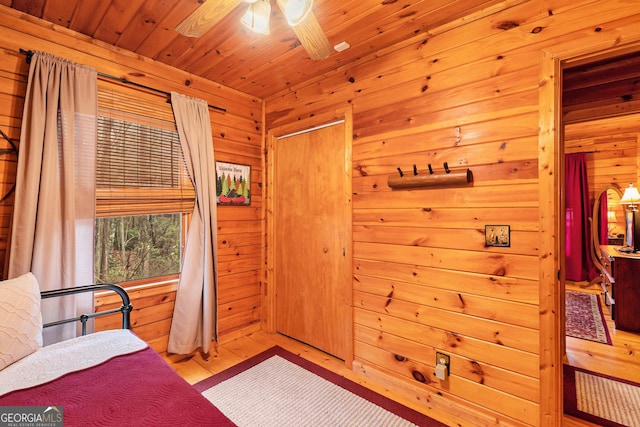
(442, 359)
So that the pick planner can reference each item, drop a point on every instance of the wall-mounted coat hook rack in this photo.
(449, 178)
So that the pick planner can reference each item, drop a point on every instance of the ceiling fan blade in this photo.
(206, 16)
(311, 36)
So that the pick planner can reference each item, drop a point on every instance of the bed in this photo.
(105, 378)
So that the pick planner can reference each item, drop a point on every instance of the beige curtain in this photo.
(53, 217)
(194, 321)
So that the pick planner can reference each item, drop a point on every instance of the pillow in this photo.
(20, 319)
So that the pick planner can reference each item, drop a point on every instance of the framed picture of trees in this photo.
(233, 184)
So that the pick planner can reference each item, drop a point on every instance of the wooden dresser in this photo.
(621, 284)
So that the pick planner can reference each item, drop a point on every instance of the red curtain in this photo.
(579, 265)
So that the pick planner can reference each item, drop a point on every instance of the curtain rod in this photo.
(29, 54)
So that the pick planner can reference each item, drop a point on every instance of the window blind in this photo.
(140, 167)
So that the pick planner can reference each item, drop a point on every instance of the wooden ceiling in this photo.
(232, 55)
(603, 88)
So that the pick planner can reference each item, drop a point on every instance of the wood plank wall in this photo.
(237, 137)
(611, 147)
(424, 281)
(150, 317)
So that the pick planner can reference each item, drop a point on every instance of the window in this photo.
(137, 247)
(143, 194)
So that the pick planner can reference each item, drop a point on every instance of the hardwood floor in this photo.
(622, 359)
(194, 367)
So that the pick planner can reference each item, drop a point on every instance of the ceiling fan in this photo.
(298, 13)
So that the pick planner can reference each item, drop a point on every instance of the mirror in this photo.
(615, 222)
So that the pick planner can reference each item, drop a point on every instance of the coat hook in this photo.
(415, 170)
(430, 169)
(458, 135)
(446, 167)
(400, 172)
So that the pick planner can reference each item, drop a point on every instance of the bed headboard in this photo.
(125, 309)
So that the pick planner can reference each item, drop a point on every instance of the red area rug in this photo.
(279, 388)
(601, 399)
(585, 319)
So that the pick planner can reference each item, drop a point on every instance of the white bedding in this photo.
(53, 361)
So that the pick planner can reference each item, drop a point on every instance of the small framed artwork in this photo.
(233, 184)
(497, 235)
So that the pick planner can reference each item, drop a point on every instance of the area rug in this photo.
(585, 318)
(600, 399)
(279, 388)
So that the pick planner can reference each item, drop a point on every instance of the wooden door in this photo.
(312, 226)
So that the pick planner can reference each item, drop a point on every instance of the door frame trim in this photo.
(269, 288)
(551, 206)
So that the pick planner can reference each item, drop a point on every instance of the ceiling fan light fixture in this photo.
(257, 16)
(297, 10)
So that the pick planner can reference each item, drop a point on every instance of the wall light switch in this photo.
(497, 235)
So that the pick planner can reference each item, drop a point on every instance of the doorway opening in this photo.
(601, 120)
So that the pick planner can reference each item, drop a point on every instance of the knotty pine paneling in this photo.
(509, 288)
(237, 137)
(466, 94)
(504, 380)
(374, 292)
(150, 305)
(456, 385)
(611, 146)
(613, 155)
(601, 89)
(150, 317)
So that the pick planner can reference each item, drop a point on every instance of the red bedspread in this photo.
(137, 389)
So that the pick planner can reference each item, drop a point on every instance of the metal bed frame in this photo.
(125, 309)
